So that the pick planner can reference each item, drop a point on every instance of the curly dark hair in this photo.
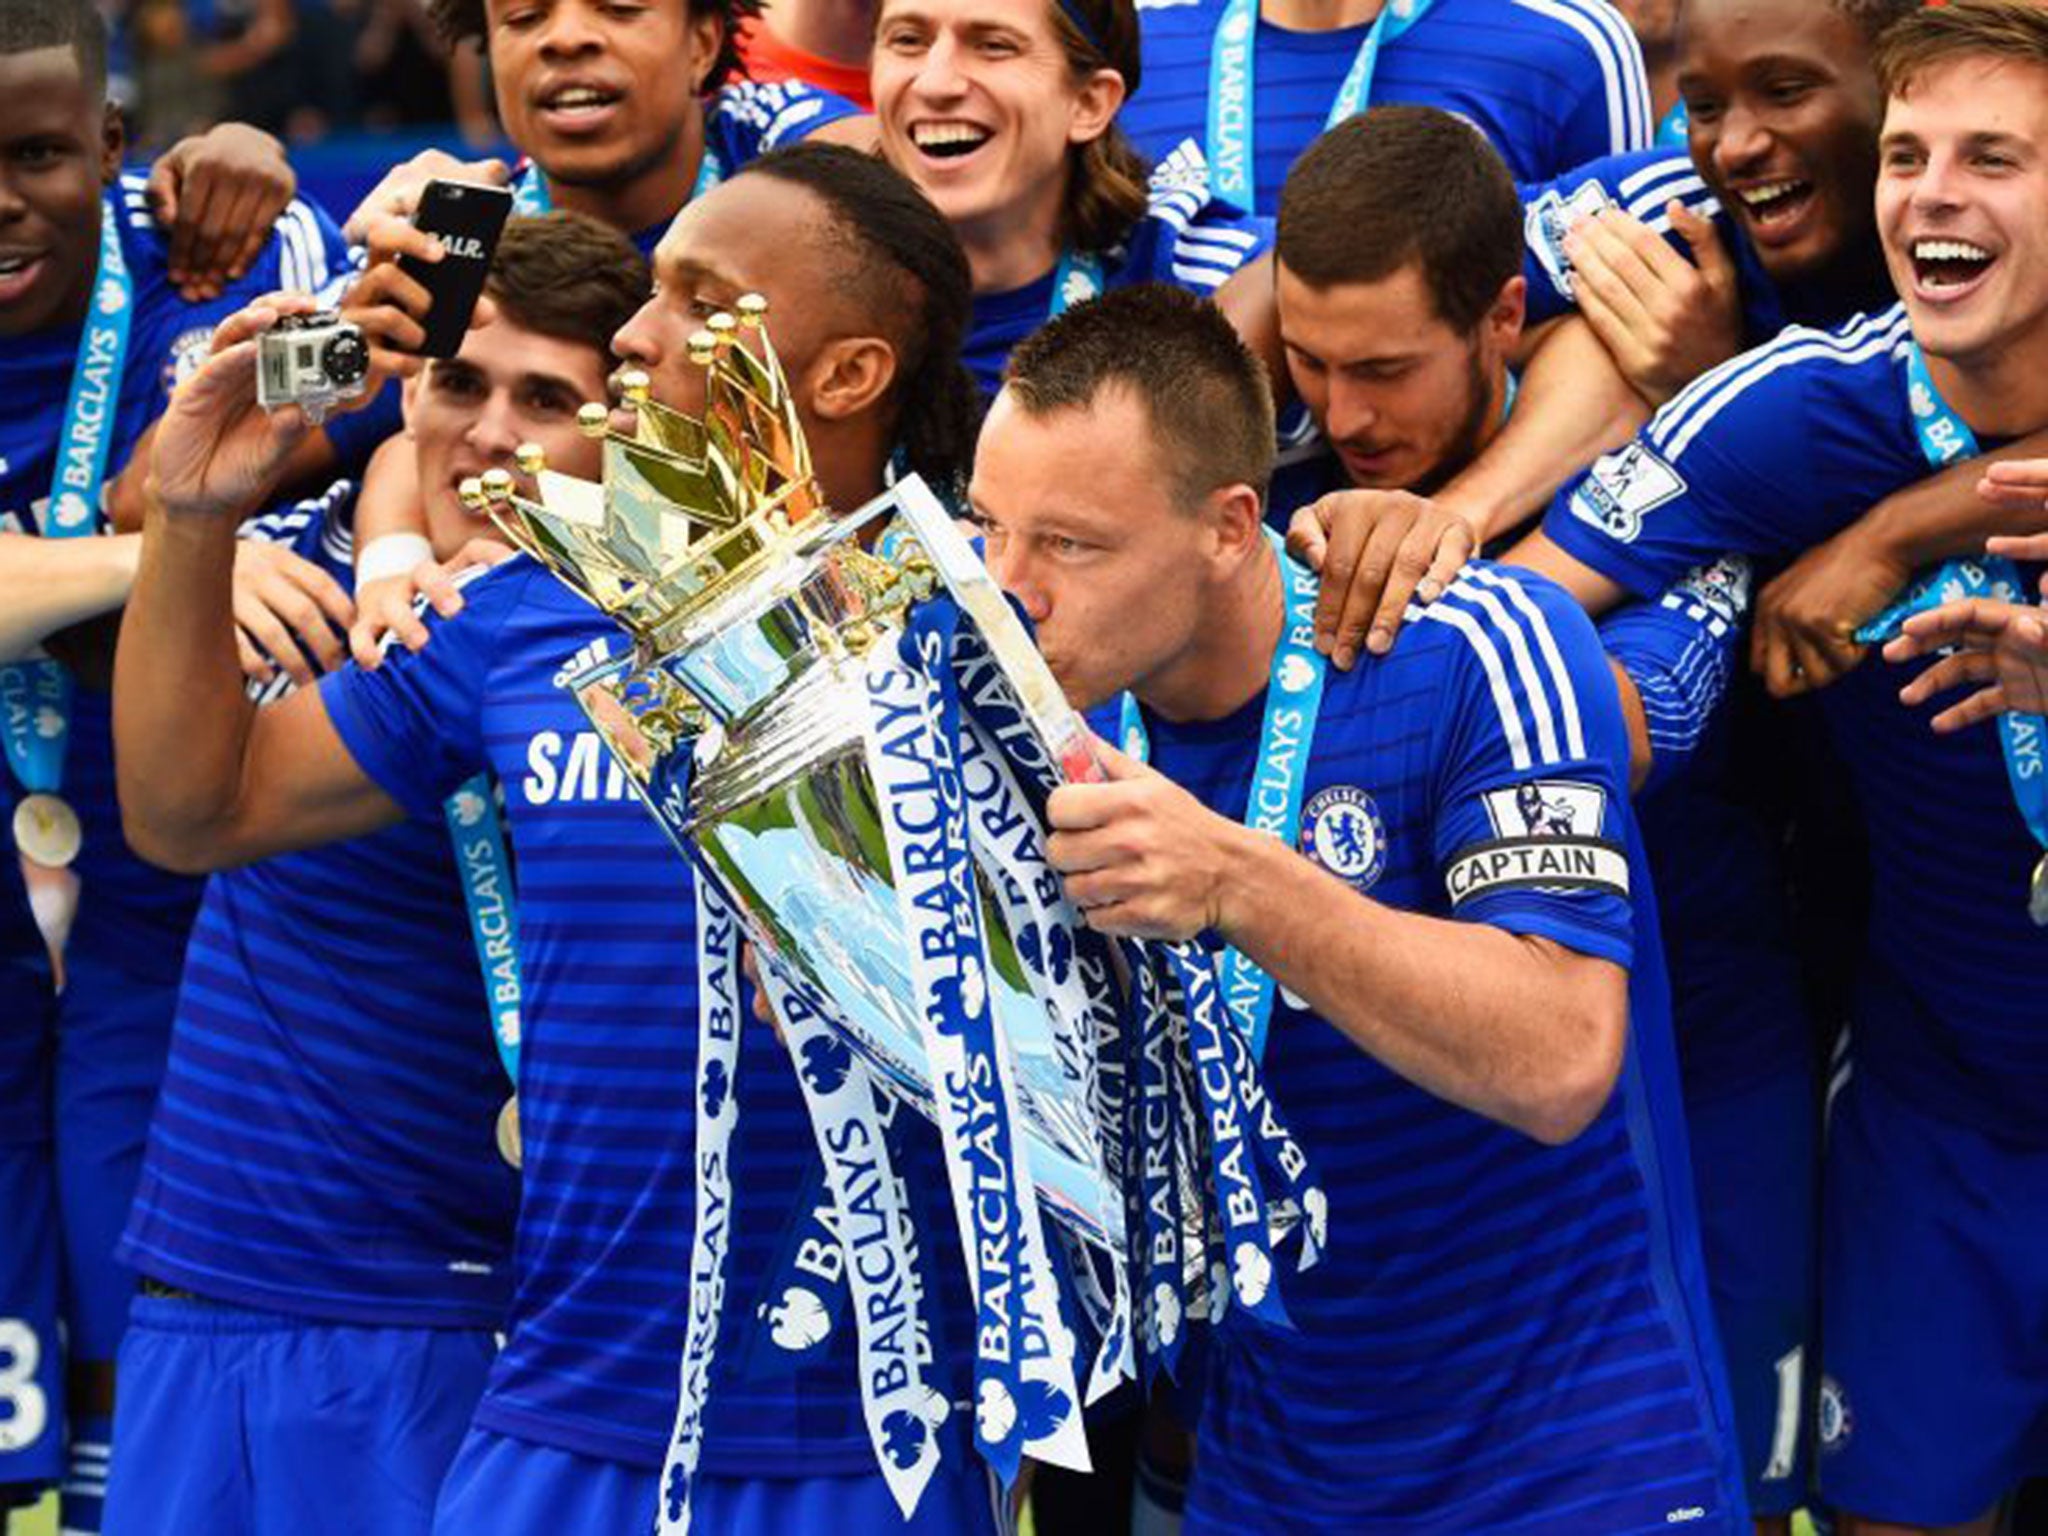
(457, 20)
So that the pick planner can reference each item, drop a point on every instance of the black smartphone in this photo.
(467, 219)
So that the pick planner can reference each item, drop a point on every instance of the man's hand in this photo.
(1375, 550)
(217, 452)
(218, 193)
(387, 609)
(398, 194)
(2020, 485)
(1806, 619)
(391, 306)
(2003, 646)
(1140, 855)
(1665, 320)
(289, 608)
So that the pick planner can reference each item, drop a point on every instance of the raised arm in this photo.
(206, 779)
(1807, 617)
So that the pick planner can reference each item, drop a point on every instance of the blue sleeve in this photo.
(305, 254)
(1206, 239)
(1612, 113)
(747, 118)
(1531, 812)
(415, 725)
(1772, 452)
(1642, 184)
(1681, 652)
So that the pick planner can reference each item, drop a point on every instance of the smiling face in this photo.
(1404, 400)
(466, 414)
(978, 104)
(1783, 105)
(60, 145)
(600, 92)
(1962, 205)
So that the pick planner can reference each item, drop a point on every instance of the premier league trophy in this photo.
(844, 726)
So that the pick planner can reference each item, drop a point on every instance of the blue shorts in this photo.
(113, 1034)
(501, 1486)
(238, 1423)
(1934, 1405)
(1755, 1161)
(31, 1365)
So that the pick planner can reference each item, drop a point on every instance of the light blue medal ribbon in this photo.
(35, 696)
(1294, 698)
(1228, 141)
(719, 1020)
(1945, 437)
(478, 835)
(1674, 129)
(531, 197)
(1078, 278)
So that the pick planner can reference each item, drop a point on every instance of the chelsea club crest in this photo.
(1341, 831)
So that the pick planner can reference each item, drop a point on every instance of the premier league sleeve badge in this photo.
(1341, 831)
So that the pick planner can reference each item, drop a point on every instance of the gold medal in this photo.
(46, 830)
(508, 1131)
(2037, 897)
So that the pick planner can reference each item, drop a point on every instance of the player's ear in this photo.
(409, 400)
(113, 140)
(1504, 317)
(850, 375)
(707, 41)
(1235, 521)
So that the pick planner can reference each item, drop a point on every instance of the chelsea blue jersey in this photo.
(129, 910)
(1501, 1335)
(323, 1143)
(1187, 238)
(1551, 83)
(26, 1020)
(1643, 184)
(1772, 453)
(608, 956)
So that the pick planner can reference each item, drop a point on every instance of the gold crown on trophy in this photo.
(687, 504)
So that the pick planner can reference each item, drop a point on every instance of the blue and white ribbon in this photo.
(1010, 848)
(1945, 437)
(719, 1020)
(35, 695)
(850, 1120)
(1024, 1386)
(1228, 140)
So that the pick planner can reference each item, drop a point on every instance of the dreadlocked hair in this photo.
(902, 265)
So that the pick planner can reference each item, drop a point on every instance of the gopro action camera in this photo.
(311, 361)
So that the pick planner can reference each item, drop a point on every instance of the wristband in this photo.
(390, 554)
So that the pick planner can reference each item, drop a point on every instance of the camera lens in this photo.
(345, 359)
